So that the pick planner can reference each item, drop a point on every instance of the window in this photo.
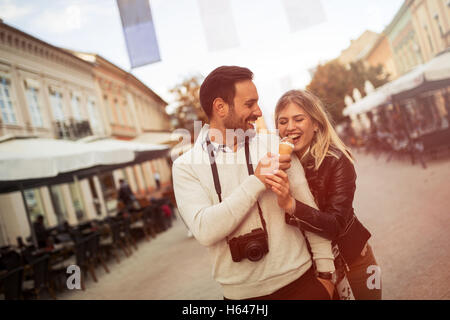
(436, 17)
(412, 117)
(119, 119)
(34, 203)
(57, 106)
(429, 38)
(126, 115)
(6, 105)
(93, 116)
(109, 191)
(34, 107)
(95, 197)
(108, 109)
(3, 236)
(77, 201)
(59, 206)
(76, 107)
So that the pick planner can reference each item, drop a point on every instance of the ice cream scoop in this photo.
(286, 146)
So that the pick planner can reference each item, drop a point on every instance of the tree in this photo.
(333, 81)
(188, 107)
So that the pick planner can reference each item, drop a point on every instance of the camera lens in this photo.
(254, 251)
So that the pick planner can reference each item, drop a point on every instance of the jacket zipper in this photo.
(308, 224)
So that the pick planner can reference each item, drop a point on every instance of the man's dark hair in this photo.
(220, 84)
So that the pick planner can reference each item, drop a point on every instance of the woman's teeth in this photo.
(295, 137)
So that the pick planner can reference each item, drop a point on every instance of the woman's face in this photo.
(295, 123)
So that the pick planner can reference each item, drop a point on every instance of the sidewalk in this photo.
(171, 266)
(405, 208)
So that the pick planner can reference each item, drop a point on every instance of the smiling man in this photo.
(225, 204)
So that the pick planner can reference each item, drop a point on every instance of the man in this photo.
(40, 231)
(126, 194)
(220, 200)
(157, 180)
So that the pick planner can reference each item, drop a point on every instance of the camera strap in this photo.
(215, 174)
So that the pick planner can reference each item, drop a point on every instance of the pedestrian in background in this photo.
(126, 195)
(157, 180)
(42, 235)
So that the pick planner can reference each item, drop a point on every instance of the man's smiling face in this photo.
(245, 110)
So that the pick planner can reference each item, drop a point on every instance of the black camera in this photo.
(253, 246)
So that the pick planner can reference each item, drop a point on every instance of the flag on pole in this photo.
(302, 14)
(218, 24)
(139, 31)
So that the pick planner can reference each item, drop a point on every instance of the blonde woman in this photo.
(331, 176)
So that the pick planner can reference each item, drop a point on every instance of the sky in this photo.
(279, 58)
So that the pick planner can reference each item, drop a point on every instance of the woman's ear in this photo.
(315, 126)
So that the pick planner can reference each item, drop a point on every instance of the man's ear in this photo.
(220, 107)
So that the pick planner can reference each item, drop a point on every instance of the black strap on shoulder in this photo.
(212, 160)
(247, 157)
(251, 172)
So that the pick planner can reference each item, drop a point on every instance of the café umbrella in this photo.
(30, 162)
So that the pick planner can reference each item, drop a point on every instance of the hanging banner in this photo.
(303, 14)
(139, 32)
(218, 24)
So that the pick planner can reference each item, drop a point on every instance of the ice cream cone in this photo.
(286, 146)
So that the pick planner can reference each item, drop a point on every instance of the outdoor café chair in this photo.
(40, 278)
(11, 284)
(138, 224)
(125, 233)
(113, 242)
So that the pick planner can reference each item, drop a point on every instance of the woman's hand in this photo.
(279, 183)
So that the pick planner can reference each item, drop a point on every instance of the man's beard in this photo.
(238, 127)
(232, 121)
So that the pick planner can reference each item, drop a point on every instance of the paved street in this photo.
(405, 207)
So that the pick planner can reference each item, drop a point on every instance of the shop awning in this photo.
(167, 138)
(31, 158)
(34, 162)
(142, 151)
(370, 101)
(432, 75)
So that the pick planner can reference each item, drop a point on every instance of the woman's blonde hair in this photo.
(325, 141)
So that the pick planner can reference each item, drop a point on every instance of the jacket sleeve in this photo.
(332, 220)
(319, 247)
(211, 222)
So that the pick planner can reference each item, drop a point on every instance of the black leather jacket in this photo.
(333, 187)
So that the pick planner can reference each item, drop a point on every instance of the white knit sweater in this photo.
(211, 222)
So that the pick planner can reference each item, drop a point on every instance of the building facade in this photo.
(49, 92)
(359, 48)
(130, 109)
(431, 20)
(381, 54)
(418, 32)
(44, 89)
(404, 41)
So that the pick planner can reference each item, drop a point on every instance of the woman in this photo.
(331, 176)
